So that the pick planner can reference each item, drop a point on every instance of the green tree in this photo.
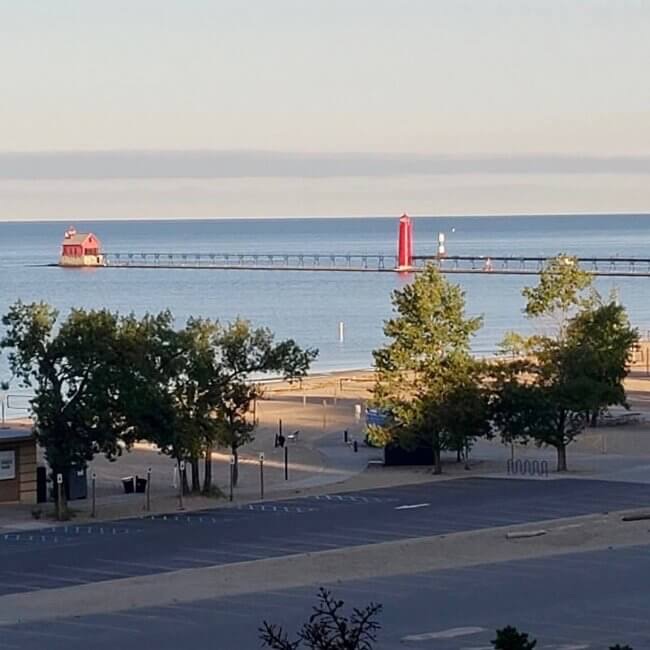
(550, 396)
(602, 342)
(426, 364)
(509, 638)
(243, 354)
(563, 287)
(466, 411)
(74, 373)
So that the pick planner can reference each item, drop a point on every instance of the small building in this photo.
(80, 249)
(18, 464)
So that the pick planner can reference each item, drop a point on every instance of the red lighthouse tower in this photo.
(405, 244)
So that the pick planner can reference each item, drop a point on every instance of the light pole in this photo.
(262, 476)
(232, 475)
(4, 387)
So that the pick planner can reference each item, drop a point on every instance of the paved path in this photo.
(73, 555)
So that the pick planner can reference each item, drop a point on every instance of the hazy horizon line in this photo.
(532, 215)
(210, 163)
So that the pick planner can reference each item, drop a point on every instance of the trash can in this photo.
(140, 484)
(129, 484)
(76, 484)
(41, 484)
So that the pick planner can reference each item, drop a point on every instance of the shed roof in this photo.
(78, 238)
(15, 432)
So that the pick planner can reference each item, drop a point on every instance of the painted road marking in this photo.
(451, 633)
(411, 507)
(352, 498)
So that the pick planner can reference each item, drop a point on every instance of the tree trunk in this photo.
(437, 465)
(196, 478)
(207, 472)
(458, 455)
(561, 458)
(235, 467)
(594, 419)
(185, 484)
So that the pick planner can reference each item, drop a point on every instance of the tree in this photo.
(156, 355)
(75, 375)
(465, 411)
(602, 343)
(242, 354)
(328, 628)
(570, 377)
(426, 368)
(561, 289)
(509, 638)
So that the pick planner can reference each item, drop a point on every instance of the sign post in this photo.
(262, 476)
(181, 484)
(148, 497)
(93, 481)
(59, 496)
(286, 463)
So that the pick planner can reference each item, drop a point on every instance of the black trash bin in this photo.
(41, 484)
(140, 484)
(76, 484)
(129, 484)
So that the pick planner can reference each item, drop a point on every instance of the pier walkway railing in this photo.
(498, 265)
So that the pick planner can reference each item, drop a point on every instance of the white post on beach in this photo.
(357, 412)
(324, 414)
(181, 481)
(341, 331)
(304, 399)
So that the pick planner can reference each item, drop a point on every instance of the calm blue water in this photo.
(308, 305)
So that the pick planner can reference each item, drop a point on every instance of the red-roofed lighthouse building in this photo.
(80, 249)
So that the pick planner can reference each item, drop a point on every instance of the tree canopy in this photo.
(102, 381)
(564, 380)
(427, 379)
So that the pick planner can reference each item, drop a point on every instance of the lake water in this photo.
(308, 305)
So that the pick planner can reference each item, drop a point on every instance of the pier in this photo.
(468, 264)
(80, 250)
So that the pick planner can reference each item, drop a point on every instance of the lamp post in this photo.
(4, 388)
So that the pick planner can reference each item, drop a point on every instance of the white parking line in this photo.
(112, 574)
(44, 576)
(451, 633)
(100, 626)
(161, 567)
(412, 506)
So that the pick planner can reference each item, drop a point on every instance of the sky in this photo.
(215, 108)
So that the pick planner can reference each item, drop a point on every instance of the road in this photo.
(55, 557)
(572, 602)
(572, 599)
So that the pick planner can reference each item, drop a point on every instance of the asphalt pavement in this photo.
(582, 601)
(72, 555)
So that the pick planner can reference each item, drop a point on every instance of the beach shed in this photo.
(17, 464)
(80, 249)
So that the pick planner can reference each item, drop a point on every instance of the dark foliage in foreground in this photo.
(328, 628)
